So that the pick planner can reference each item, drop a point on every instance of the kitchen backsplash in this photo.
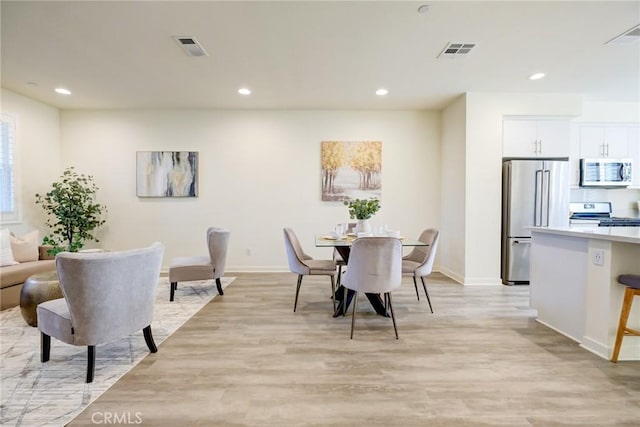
(624, 203)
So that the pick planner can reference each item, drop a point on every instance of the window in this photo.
(8, 202)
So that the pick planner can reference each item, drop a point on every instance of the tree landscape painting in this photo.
(351, 170)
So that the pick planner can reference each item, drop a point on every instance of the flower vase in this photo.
(363, 226)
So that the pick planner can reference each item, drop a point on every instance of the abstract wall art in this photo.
(167, 173)
(351, 170)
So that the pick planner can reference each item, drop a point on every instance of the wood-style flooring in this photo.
(480, 360)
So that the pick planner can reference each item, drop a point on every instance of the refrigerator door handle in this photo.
(537, 209)
(518, 242)
(547, 189)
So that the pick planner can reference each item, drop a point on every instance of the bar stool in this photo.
(632, 282)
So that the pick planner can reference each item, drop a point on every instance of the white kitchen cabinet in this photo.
(535, 138)
(604, 141)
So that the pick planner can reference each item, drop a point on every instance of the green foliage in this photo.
(361, 208)
(72, 212)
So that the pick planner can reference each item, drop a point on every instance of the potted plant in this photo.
(362, 210)
(72, 212)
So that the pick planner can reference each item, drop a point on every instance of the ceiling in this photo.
(313, 55)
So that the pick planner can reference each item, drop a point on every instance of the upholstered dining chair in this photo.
(304, 265)
(375, 266)
(186, 269)
(419, 262)
(107, 296)
(340, 262)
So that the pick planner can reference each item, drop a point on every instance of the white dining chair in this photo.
(305, 265)
(419, 262)
(375, 266)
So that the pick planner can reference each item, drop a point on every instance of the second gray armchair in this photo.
(186, 269)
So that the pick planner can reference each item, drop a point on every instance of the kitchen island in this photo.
(573, 284)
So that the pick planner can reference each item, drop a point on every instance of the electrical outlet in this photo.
(598, 257)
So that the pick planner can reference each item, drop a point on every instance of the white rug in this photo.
(53, 393)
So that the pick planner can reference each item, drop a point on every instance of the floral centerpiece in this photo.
(362, 210)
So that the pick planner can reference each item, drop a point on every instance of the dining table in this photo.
(343, 295)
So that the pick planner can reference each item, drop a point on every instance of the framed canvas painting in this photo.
(167, 173)
(351, 170)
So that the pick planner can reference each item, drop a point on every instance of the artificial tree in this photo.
(72, 212)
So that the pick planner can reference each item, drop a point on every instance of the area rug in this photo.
(53, 393)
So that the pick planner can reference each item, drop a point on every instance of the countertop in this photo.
(617, 234)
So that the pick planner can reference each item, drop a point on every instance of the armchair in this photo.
(107, 296)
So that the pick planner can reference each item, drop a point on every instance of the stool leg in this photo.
(622, 325)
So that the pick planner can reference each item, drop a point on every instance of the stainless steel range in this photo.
(598, 214)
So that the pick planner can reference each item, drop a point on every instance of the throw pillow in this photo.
(25, 248)
(6, 255)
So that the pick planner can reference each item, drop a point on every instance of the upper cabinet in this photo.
(535, 137)
(604, 141)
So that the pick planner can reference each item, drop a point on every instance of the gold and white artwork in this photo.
(351, 170)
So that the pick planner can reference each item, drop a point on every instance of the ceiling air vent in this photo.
(456, 50)
(191, 46)
(628, 37)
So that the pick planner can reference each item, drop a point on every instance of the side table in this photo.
(36, 289)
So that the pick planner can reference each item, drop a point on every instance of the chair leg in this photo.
(45, 347)
(333, 292)
(219, 285)
(345, 294)
(426, 293)
(148, 338)
(339, 273)
(295, 304)
(353, 314)
(393, 317)
(415, 284)
(91, 362)
(622, 324)
(174, 286)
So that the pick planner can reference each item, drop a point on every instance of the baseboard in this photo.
(469, 281)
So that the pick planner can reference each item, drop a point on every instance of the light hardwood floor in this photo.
(481, 359)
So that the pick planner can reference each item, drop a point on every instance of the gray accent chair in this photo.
(107, 296)
(186, 269)
(304, 265)
(419, 262)
(340, 262)
(375, 266)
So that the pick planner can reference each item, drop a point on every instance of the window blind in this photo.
(8, 208)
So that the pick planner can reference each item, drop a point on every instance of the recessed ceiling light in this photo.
(244, 91)
(423, 9)
(382, 92)
(536, 76)
(62, 91)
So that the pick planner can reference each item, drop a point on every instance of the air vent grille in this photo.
(456, 50)
(628, 37)
(191, 46)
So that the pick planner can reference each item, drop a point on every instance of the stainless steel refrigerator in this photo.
(534, 193)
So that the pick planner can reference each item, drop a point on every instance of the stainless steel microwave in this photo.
(605, 172)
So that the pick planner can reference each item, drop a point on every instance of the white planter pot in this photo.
(363, 226)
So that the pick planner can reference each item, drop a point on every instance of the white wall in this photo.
(451, 248)
(484, 170)
(259, 171)
(37, 156)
